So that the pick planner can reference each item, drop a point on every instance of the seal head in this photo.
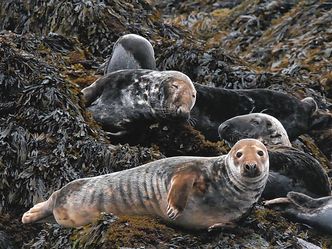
(131, 51)
(248, 159)
(261, 126)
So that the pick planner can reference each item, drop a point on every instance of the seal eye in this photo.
(260, 153)
(238, 154)
(269, 124)
(175, 86)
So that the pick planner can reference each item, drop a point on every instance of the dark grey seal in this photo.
(261, 126)
(216, 105)
(126, 100)
(305, 209)
(131, 52)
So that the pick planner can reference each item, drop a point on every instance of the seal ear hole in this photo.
(238, 154)
(260, 153)
(194, 96)
(255, 121)
(145, 96)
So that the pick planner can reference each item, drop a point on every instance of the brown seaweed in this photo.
(48, 139)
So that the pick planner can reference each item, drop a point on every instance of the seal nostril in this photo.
(250, 167)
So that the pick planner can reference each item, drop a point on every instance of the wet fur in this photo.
(260, 126)
(216, 105)
(192, 192)
(126, 100)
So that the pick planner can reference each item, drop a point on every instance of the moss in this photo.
(85, 81)
(125, 231)
(176, 139)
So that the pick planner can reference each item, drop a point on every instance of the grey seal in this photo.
(191, 192)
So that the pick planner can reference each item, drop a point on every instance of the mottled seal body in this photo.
(261, 126)
(192, 192)
(216, 105)
(131, 51)
(125, 99)
(314, 212)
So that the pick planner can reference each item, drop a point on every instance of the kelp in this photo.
(48, 139)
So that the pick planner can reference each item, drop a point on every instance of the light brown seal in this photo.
(192, 192)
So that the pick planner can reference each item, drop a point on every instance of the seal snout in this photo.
(183, 112)
(250, 169)
(222, 129)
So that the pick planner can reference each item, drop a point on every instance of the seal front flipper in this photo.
(94, 91)
(182, 184)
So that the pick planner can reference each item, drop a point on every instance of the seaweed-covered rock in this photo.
(97, 24)
(47, 138)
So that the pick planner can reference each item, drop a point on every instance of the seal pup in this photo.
(125, 100)
(290, 168)
(261, 126)
(192, 192)
(302, 208)
(131, 51)
(216, 105)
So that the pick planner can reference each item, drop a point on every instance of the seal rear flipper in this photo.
(37, 212)
(305, 201)
(182, 184)
(40, 211)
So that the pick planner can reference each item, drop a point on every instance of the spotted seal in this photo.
(314, 212)
(192, 192)
(131, 51)
(125, 100)
(261, 126)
